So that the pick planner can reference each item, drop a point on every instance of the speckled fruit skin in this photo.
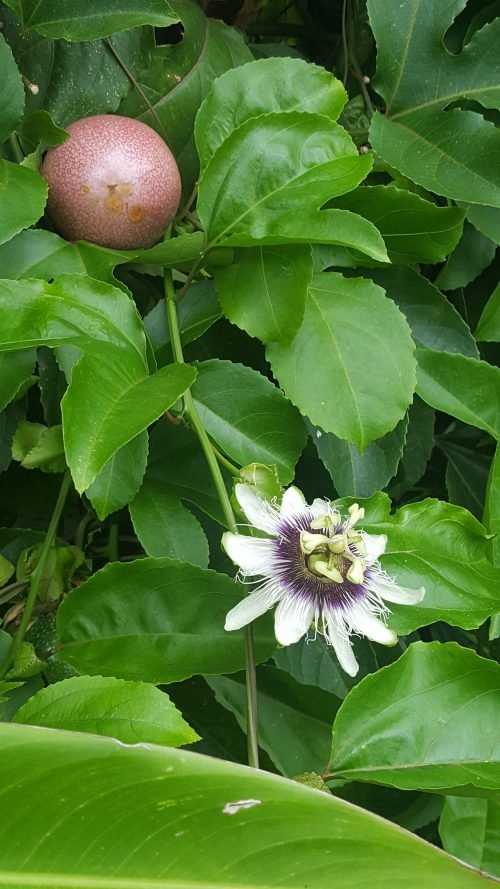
(114, 182)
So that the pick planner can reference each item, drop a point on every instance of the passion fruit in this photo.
(114, 182)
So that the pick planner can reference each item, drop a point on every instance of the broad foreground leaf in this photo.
(129, 711)
(415, 723)
(250, 828)
(156, 620)
(11, 91)
(72, 21)
(443, 548)
(261, 87)
(448, 150)
(102, 322)
(350, 368)
(23, 194)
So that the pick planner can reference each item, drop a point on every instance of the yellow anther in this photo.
(311, 542)
(327, 571)
(329, 520)
(338, 543)
(356, 573)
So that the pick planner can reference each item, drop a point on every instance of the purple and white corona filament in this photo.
(319, 570)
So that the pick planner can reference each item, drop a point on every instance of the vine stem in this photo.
(37, 575)
(192, 416)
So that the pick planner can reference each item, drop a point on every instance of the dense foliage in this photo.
(323, 313)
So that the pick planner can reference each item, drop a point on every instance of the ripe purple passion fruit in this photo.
(114, 182)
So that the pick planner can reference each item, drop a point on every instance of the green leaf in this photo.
(294, 720)
(434, 322)
(221, 735)
(248, 417)
(270, 166)
(262, 87)
(317, 664)
(196, 313)
(6, 570)
(9, 421)
(36, 253)
(175, 79)
(174, 253)
(74, 22)
(23, 194)
(103, 323)
(350, 368)
(166, 528)
(265, 289)
(60, 565)
(120, 479)
(39, 128)
(130, 711)
(466, 476)
(361, 475)
(177, 465)
(156, 620)
(36, 446)
(15, 369)
(486, 220)
(414, 230)
(492, 505)
(414, 724)
(450, 151)
(470, 830)
(470, 257)
(443, 548)
(488, 327)
(460, 386)
(11, 91)
(249, 825)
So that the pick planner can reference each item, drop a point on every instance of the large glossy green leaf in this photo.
(129, 711)
(196, 312)
(177, 465)
(259, 88)
(486, 220)
(36, 253)
(249, 826)
(15, 369)
(470, 830)
(463, 387)
(121, 477)
(11, 91)
(361, 475)
(452, 152)
(294, 720)
(434, 322)
(103, 323)
(443, 548)
(272, 165)
(265, 289)
(166, 528)
(23, 194)
(175, 79)
(350, 368)
(156, 620)
(72, 21)
(418, 448)
(248, 417)
(466, 476)
(471, 256)
(414, 724)
(414, 230)
(488, 327)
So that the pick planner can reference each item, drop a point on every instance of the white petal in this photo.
(293, 503)
(343, 650)
(319, 508)
(292, 620)
(371, 627)
(375, 546)
(391, 591)
(252, 554)
(251, 607)
(259, 513)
